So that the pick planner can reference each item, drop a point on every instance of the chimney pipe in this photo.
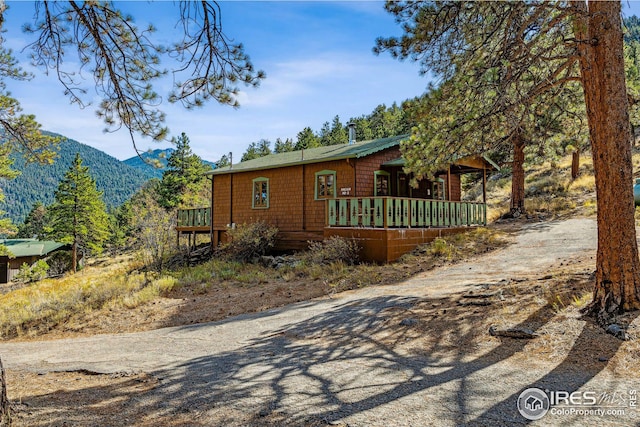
(352, 133)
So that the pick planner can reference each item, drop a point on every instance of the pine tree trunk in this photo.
(517, 176)
(74, 257)
(575, 164)
(617, 287)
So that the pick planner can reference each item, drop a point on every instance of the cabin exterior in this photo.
(357, 190)
(22, 251)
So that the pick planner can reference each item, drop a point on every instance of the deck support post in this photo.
(448, 195)
(484, 185)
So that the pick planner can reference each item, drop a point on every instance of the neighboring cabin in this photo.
(356, 190)
(27, 251)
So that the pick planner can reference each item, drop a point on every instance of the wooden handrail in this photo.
(196, 217)
(403, 212)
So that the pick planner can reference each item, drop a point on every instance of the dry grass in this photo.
(37, 308)
(549, 190)
(113, 297)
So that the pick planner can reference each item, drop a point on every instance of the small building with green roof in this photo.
(357, 190)
(20, 251)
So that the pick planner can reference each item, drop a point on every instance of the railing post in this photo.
(385, 202)
(354, 210)
(366, 212)
(484, 216)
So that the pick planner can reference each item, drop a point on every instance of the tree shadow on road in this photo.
(376, 361)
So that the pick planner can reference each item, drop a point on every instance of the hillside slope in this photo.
(153, 162)
(37, 183)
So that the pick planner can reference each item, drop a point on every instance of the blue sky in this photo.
(317, 57)
(318, 60)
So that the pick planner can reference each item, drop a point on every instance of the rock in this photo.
(476, 302)
(618, 332)
(603, 359)
(410, 321)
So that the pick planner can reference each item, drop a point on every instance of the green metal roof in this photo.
(400, 161)
(313, 155)
(30, 247)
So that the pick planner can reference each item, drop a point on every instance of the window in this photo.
(325, 184)
(382, 183)
(260, 198)
(438, 189)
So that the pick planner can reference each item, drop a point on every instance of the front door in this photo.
(403, 185)
(4, 272)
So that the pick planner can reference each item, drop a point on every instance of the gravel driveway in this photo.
(320, 362)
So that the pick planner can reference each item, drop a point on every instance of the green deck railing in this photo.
(198, 217)
(384, 212)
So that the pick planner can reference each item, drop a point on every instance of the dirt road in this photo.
(340, 360)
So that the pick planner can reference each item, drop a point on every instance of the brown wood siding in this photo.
(222, 201)
(455, 188)
(285, 198)
(366, 166)
(292, 204)
(13, 266)
(315, 210)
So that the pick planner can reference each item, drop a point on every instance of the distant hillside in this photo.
(36, 183)
(150, 160)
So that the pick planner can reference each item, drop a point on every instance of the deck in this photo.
(384, 227)
(388, 227)
(194, 220)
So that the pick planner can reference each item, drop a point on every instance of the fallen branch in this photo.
(518, 333)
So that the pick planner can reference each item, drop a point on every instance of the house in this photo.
(22, 251)
(356, 190)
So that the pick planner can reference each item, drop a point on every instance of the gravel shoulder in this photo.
(414, 353)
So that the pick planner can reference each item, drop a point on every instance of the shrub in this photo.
(441, 248)
(34, 273)
(249, 241)
(333, 249)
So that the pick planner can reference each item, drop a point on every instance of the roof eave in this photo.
(282, 165)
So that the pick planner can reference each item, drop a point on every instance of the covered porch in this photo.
(388, 227)
(384, 227)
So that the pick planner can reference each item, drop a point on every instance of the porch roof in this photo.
(466, 163)
(313, 155)
(29, 247)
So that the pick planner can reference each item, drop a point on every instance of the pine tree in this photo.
(78, 214)
(35, 223)
(283, 146)
(524, 55)
(338, 134)
(184, 172)
(6, 226)
(120, 226)
(307, 139)
(257, 149)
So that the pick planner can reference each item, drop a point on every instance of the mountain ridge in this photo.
(37, 183)
(154, 162)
